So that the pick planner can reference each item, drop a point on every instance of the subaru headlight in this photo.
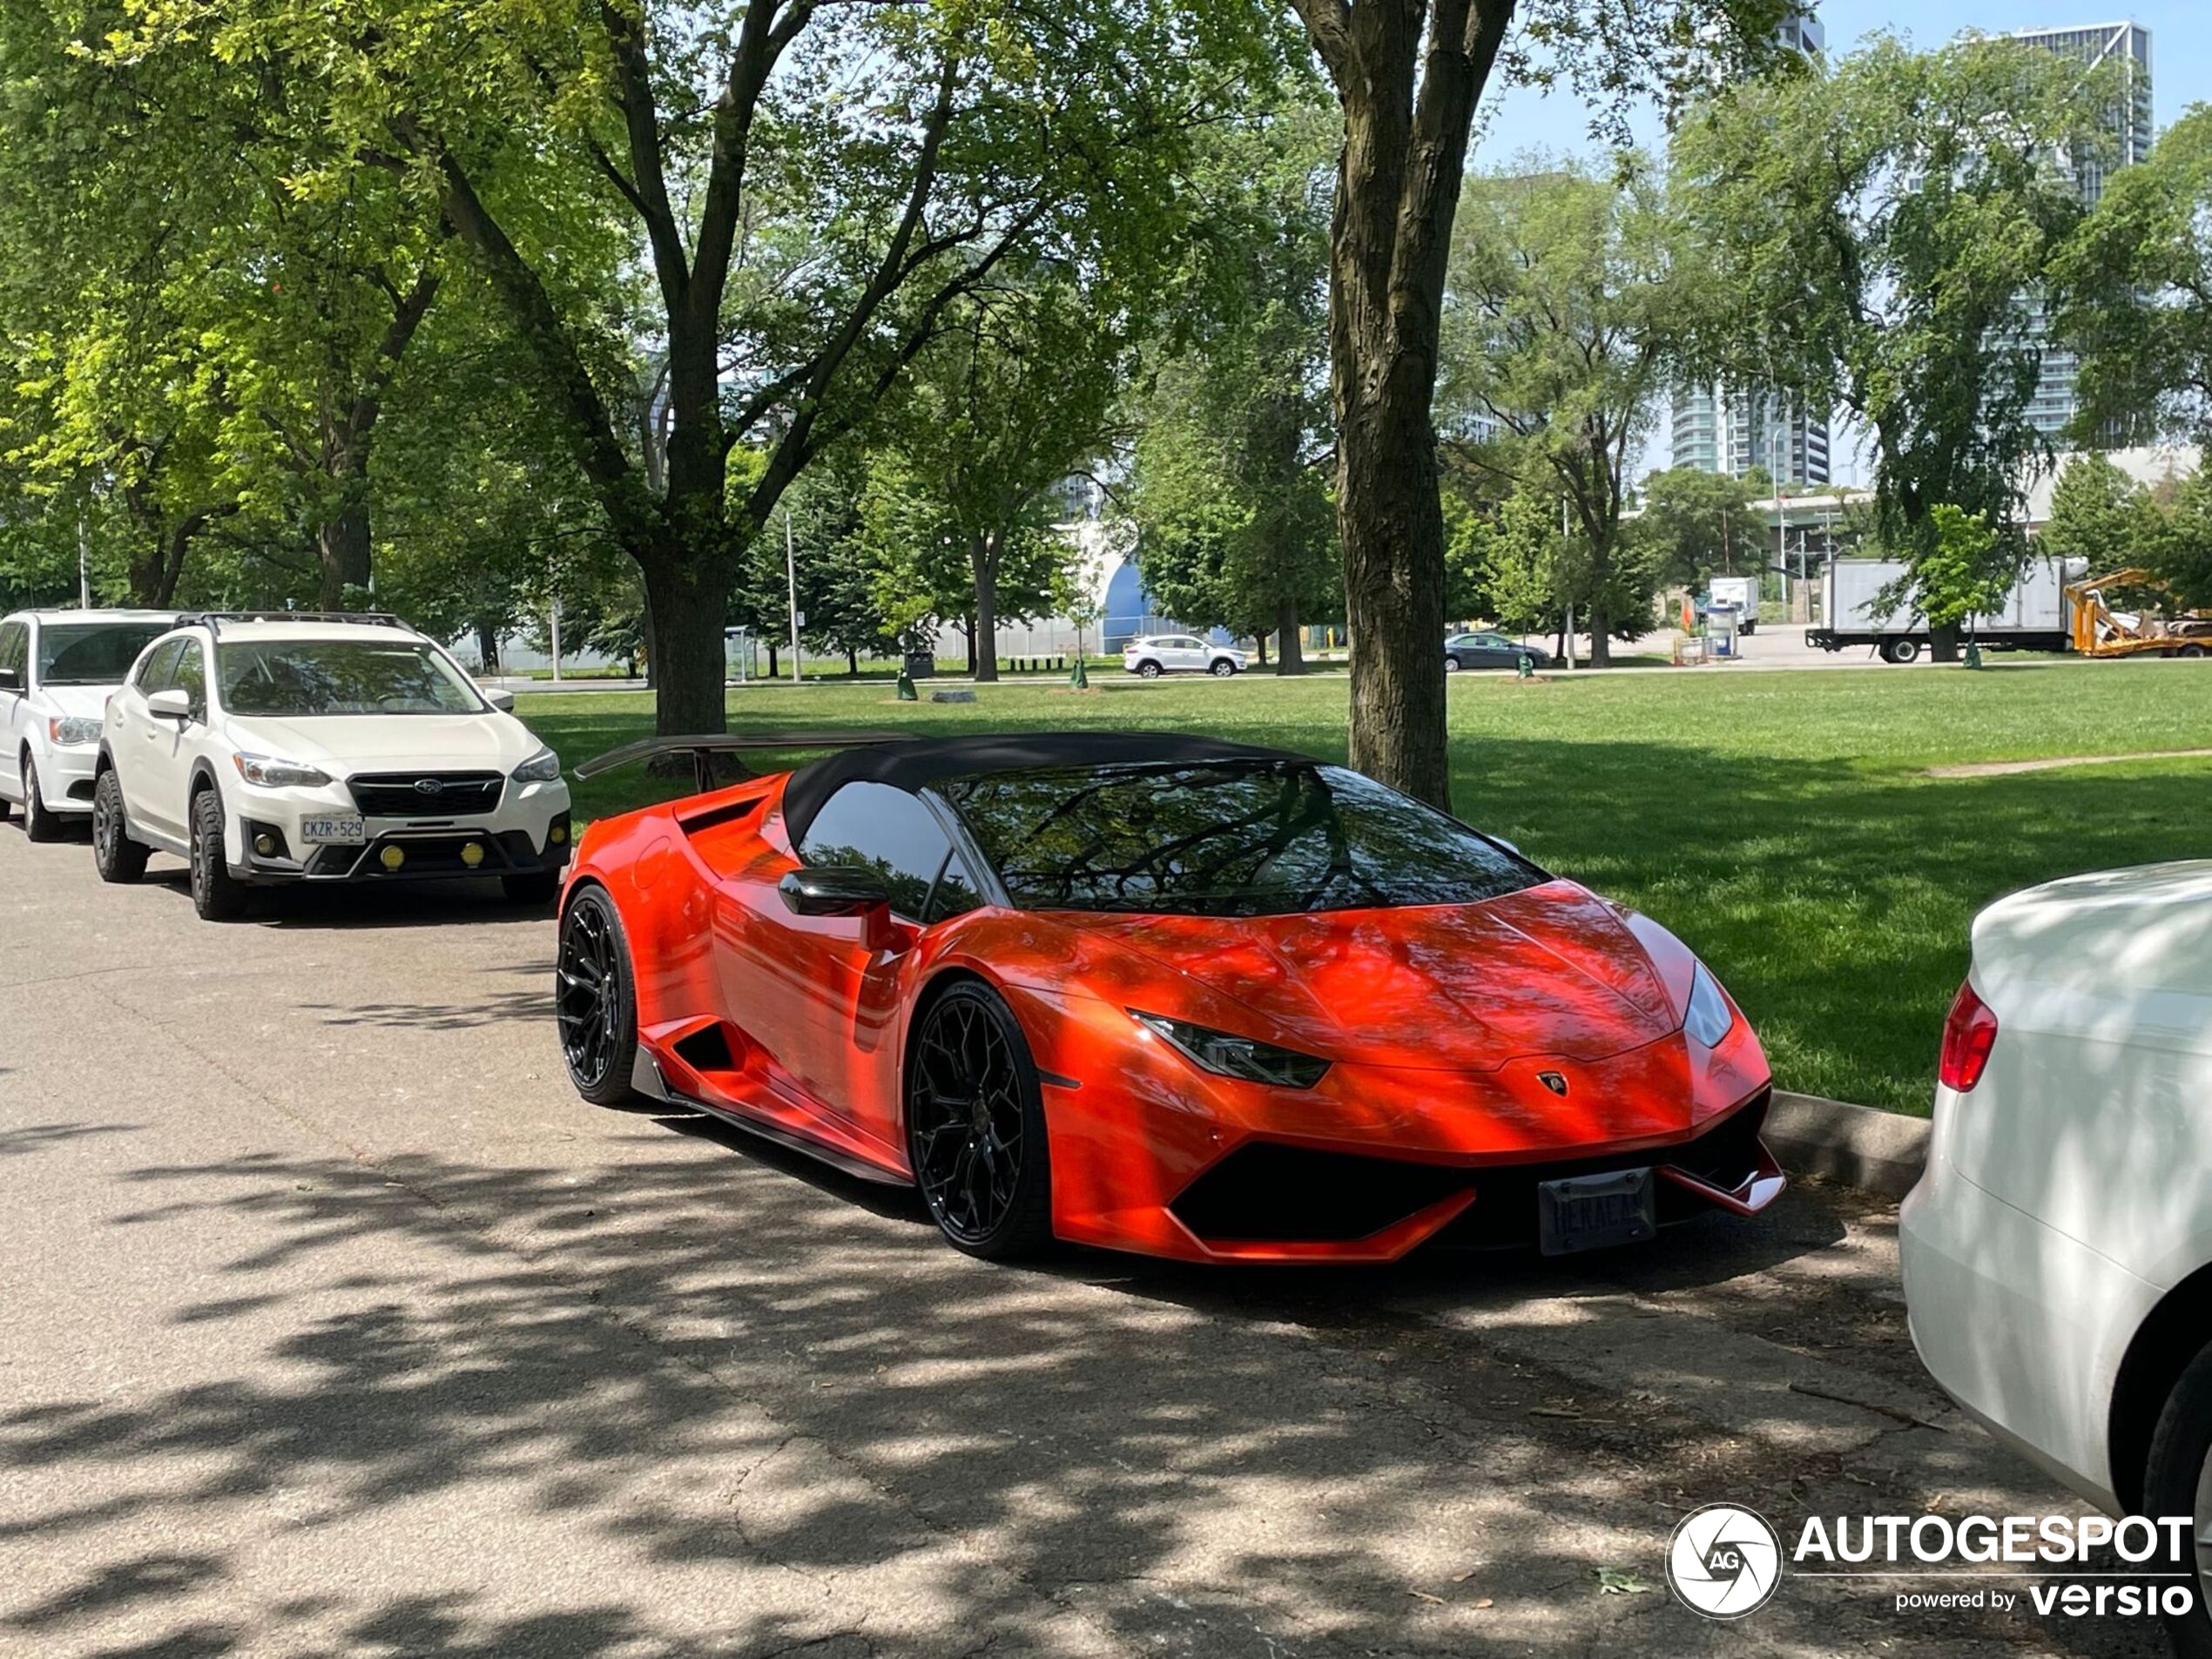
(1246, 1059)
(544, 768)
(74, 729)
(268, 772)
(1708, 1018)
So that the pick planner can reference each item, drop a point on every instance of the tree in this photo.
(1015, 395)
(810, 186)
(2101, 515)
(1967, 570)
(199, 336)
(1700, 524)
(1229, 478)
(1893, 255)
(1560, 330)
(2138, 278)
(1410, 75)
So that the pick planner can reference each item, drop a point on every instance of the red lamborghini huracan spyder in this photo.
(1161, 994)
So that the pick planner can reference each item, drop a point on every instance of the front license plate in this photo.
(339, 830)
(1590, 1211)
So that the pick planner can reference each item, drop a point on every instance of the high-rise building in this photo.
(2121, 50)
(1719, 430)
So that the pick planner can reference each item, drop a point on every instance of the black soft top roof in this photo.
(915, 763)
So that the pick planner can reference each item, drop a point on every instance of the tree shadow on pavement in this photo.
(685, 1403)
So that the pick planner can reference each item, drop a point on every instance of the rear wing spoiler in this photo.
(705, 745)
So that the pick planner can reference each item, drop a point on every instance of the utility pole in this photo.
(790, 576)
(1569, 635)
(553, 618)
(83, 566)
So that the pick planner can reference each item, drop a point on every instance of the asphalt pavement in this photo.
(331, 1322)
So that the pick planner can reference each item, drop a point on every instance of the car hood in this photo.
(1551, 971)
(88, 701)
(391, 742)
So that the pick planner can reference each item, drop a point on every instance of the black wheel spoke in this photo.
(964, 1112)
(587, 998)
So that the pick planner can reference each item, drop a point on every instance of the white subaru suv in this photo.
(56, 669)
(267, 748)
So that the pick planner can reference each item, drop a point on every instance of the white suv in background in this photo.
(57, 668)
(1153, 654)
(276, 747)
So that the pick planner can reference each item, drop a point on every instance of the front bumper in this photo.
(1150, 1155)
(65, 775)
(529, 833)
(2024, 1326)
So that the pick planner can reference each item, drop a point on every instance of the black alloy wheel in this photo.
(975, 1127)
(593, 1002)
(216, 894)
(115, 855)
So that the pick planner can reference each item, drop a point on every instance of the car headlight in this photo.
(544, 768)
(1245, 1058)
(269, 773)
(74, 729)
(1707, 1019)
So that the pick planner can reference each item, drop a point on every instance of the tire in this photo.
(1451, 663)
(38, 824)
(974, 1108)
(216, 894)
(535, 888)
(1900, 651)
(1223, 668)
(1148, 670)
(594, 1000)
(115, 855)
(2176, 1481)
(2191, 650)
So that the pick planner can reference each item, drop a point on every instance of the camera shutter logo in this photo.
(1724, 1561)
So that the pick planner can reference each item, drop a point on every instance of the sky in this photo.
(2181, 66)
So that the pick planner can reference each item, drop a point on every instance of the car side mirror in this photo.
(503, 701)
(11, 680)
(844, 890)
(174, 704)
(834, 890)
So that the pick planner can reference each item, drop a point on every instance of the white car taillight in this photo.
(1969, 1033)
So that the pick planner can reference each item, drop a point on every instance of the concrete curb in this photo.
(1880, 1151)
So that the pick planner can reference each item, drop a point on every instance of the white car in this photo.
(57, 668)
(1153, 654)
(2058, 1249)
(268, 749)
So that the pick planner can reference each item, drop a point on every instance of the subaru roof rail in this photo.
(214, 619)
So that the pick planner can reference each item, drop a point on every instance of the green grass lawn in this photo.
(1784, 823)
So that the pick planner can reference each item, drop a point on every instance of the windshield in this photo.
(296, 677)
(92, 653)
(1238, 837)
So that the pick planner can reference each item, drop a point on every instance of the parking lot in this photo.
(331, 1322)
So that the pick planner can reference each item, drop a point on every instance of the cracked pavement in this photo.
(331, 1322)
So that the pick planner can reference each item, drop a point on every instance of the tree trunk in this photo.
(487, 647)
(687, 597)
(852, 662)
(1407, 117)
(1290, 655)
(983, 561)
(1601, 638)
(1943, 643)
(341, 553)
(1259, 646)
(967, 631)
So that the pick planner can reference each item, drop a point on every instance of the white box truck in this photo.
(2033, 617)
(1740, 593)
